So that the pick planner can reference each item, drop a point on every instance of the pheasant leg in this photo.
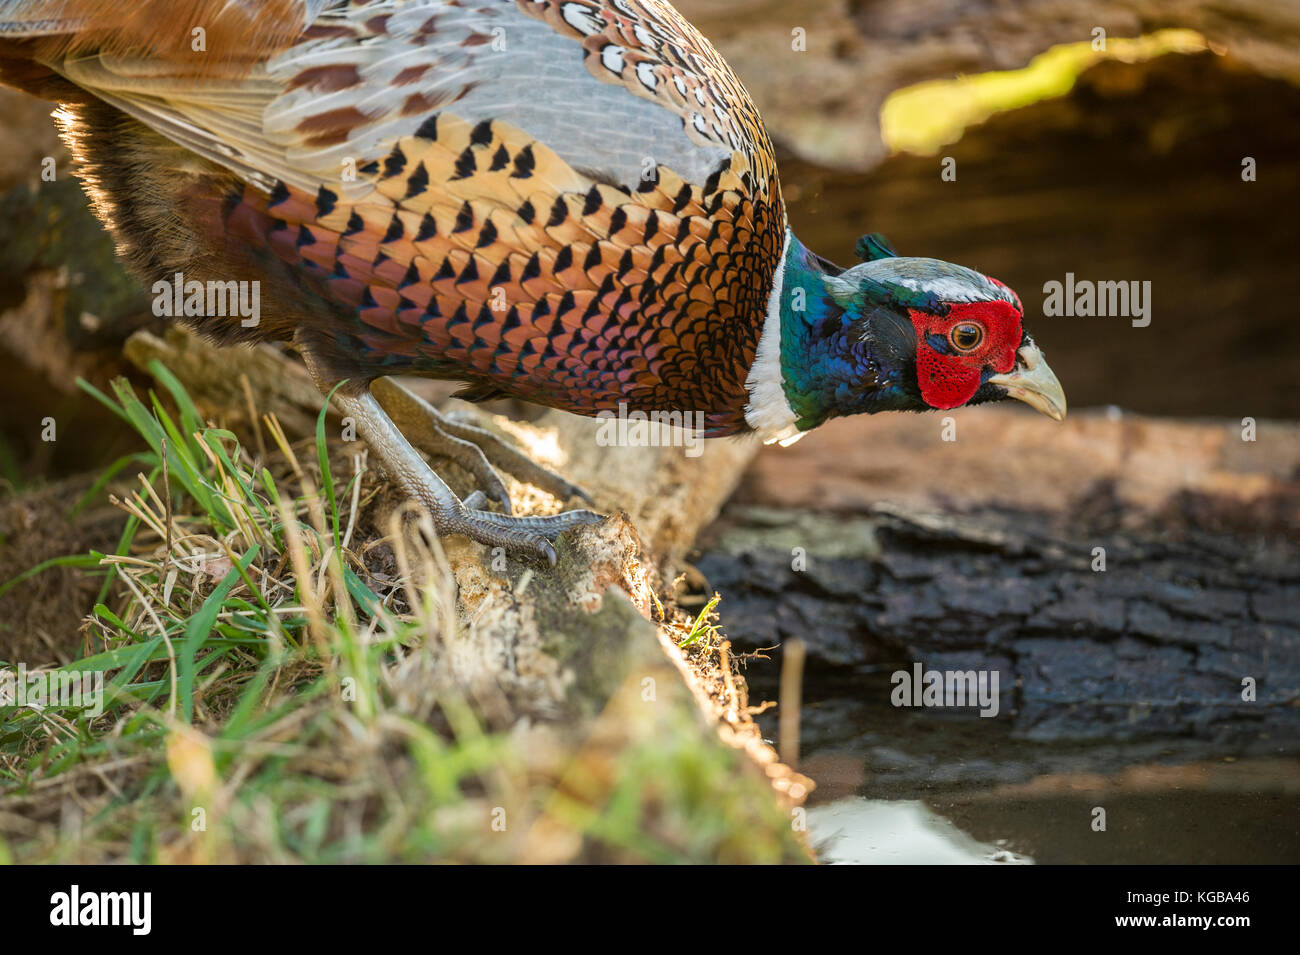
(475, 449)
(450, 514)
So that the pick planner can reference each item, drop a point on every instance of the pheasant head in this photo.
(893, 333)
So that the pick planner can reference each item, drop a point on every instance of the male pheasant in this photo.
(572, 202)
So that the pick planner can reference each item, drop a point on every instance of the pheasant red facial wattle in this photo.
(955, 349)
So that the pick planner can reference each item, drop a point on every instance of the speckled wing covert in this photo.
(568, 201)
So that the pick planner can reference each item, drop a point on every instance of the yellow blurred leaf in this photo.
(189, 758)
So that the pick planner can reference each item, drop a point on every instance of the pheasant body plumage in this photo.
(572, 202)
(526, 279)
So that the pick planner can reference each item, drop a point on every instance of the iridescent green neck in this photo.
(815, 358)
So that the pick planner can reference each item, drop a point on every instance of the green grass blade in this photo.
(198, 630)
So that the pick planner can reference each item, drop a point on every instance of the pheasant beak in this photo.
(1032, 382)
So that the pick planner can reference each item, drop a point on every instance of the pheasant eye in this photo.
(966, 336)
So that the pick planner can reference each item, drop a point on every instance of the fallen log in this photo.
(1125, 576)
(565, 647)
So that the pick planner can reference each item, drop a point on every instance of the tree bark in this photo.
(1123, 575)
